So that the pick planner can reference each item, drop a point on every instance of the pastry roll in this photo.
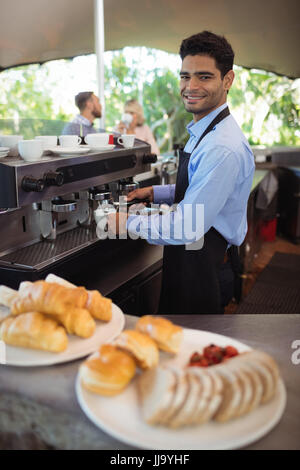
(43, 297)
(167, 335)
(99, 307)
(78, 321)
(109, 373)
(34, 330)
(141, 346)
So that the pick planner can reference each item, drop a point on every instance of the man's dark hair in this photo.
(82, 98)
(207, 43)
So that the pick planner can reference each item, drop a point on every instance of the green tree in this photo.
(120, 85)
(26, 106)
(268, 106)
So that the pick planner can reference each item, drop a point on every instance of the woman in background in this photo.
(137, 125)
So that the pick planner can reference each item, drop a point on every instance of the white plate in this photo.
(69, 150)
(103, 148)
(77, 347)
(120, 416)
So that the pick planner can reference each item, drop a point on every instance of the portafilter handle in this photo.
(29, 183)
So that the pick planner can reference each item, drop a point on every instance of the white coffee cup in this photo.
(127, 119)
(31, 150)
(11, 141)
(48, 141)
(69, 140)
(127, 140)
(97, 140)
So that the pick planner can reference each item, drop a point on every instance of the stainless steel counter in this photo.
(39, 409)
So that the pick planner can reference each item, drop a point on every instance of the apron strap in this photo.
(222, 115)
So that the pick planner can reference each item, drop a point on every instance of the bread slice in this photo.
(156, 389)
(232, 394)
(270, 364)
(179, 395)
(184, 415)
(257, 387)
(214, 400)
(245, 387)
(205, 393)
(263, 372)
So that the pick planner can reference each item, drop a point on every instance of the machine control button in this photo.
(29, 183)
(54, 178)
(152, 158)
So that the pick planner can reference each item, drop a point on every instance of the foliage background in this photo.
(266, 106)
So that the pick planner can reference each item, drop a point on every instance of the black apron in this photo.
(190, 283)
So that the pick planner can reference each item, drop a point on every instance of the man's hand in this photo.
(142, 193)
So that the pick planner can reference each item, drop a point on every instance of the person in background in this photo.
(137, 125)
(90, 109)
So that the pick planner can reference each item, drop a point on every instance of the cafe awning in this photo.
(264, 34)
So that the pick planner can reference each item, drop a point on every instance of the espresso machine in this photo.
(47, 209)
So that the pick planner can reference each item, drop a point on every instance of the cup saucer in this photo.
(69, 150)
(99, 148)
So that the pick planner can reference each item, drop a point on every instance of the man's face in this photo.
(96, 108)
(201, 85)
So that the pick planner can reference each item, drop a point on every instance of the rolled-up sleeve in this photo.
(164, 194)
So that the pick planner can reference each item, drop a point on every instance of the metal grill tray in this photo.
(44, 253)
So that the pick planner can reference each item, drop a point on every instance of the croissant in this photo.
(77, 321)
(48, 298)
(34, 330)
(99, 307)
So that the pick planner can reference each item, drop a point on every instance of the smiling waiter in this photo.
(215, 170)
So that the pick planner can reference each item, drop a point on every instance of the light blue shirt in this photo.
(80, 126)
(220, 174)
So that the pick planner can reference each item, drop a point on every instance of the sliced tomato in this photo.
(231, 351)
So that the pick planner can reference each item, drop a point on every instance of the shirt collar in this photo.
(79, 119)
(197, 128)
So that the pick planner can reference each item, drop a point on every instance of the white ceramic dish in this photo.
(120, 416)
(69, 150)
(103, 148)
(77, 347)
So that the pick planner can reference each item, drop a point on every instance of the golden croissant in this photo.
(34, 330)
(44, 297)
(99, 307)
(78, 321)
